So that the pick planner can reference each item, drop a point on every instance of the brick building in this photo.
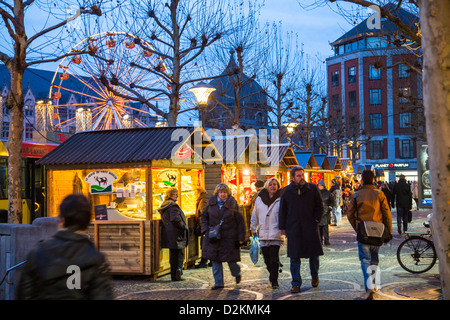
(374, 98)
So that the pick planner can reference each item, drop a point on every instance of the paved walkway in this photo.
(340, 276)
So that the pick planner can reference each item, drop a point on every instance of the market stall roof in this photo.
(276, 153)
(363, 167)
(346, 164)
(124, 146)
(306, 159)
(322, 161)
(335, 163)
(239, 148)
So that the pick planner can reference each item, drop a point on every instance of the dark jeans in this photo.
(272, 261)
(295, 269)
(402, 216)
(176, 260)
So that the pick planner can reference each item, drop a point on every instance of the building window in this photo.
(352, 75)
(376, 122)
(28, 131)
(335, 101)
(376, 150)
(5, 132)
(404, 94)
(403, 71)
(375, 96)
(374, 73)
(335, 79)
(405, 120)
(352, 99)
(406, 149)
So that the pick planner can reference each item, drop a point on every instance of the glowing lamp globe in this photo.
(202, 92)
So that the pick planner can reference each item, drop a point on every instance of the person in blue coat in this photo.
(301, 210)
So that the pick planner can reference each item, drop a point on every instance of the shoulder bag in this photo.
(371, 232)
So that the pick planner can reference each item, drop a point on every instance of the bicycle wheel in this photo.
(416, 254)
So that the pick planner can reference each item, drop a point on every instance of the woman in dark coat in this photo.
(301, 209)
(174, 232)
(222, 206)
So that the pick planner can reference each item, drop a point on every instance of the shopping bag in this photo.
(254, 249)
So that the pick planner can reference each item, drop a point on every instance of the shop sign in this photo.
(101, 181)
(400, 165)
(424, 181)
(168, 176)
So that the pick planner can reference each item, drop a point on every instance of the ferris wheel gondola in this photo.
(77, 82)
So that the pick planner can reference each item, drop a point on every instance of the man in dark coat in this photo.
(67, 266)
(301, 209)
(402, 197)
(175, 232)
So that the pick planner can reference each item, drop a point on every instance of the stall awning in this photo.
(29, 149)
(346, 164)
(322, 161)
(125, 145)
(306, 159)
(335, 163)
(363, 167)
(240, 148)
(277, 153)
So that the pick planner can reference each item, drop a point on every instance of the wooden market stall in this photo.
(325, 172)
(307, 160)
(280, 159)
(125, 174)
(239, 169)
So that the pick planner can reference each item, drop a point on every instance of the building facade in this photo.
(375, 114)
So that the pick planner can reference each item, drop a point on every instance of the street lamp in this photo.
(290, 127)
(202, 91)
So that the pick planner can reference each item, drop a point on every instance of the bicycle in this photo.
(417, 254)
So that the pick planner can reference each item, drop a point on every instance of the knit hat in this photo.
(259, 184)
(321, 182)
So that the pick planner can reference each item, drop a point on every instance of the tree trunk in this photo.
(15, 147)
(435, 26)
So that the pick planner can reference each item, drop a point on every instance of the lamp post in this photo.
(202, 91)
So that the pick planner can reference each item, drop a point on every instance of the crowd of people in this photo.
(301, 212)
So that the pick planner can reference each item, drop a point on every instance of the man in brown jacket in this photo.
(371, 205)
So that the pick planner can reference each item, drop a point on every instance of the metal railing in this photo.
(5, 278)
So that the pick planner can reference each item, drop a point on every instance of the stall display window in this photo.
(162, 180)
(191, 179)
(241, 183)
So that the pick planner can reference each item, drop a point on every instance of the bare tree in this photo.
(243, 41)
(17, 55)
(180, 31)
(432, 37)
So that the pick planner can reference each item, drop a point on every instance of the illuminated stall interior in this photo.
(126, 173)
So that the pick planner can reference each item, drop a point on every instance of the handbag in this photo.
(254, 249)
(214, 232)
(371, 232)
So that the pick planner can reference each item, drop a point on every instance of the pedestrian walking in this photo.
(202, 201)
(67, 266)
(370, 204)
(387, 192)
(301, 209)
(415, 193)
(336, 197)
(326, 217)
(175, 232)
(264, 223)
(402, 197)
(223, 208)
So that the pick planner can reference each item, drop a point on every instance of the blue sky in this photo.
(315, 27)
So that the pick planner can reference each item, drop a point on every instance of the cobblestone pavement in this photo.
(340, 276)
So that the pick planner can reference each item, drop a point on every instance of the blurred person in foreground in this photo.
(67, 266)
(370, 204)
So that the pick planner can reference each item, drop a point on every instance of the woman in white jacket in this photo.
(264, 222)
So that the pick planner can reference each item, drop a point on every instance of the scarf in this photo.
(266, 199)
(221, 202)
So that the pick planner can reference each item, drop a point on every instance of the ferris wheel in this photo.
(77, 85)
